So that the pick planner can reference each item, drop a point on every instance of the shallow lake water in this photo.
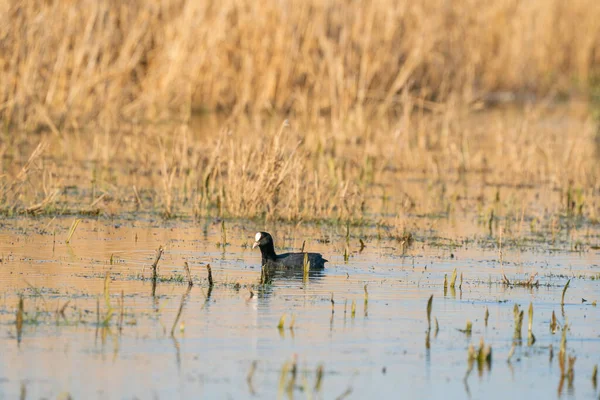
(227, 344)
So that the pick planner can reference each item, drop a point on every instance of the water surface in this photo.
(227, 343)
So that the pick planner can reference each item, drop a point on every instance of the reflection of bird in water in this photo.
(288, 265)
(268, 273)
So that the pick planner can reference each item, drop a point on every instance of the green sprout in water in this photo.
(306, 266)
(530, 335)
(72, 230)
(562, 300)
(553, 323)
(429, 306)
(518, 317)
(109, 309)
(487, 316)
(453, 279)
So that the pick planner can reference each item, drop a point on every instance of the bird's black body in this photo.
(288, 260)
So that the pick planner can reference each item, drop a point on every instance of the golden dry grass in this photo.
(66, 63)
(539, 160)
(379, 95)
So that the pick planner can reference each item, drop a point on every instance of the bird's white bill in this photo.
(254, 245)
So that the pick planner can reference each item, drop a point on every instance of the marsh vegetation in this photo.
(444, 158)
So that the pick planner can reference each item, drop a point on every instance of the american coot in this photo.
(287, 260)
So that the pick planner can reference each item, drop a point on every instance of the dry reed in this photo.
(373, 91)
(66, 63)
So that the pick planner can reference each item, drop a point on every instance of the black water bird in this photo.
(288, 260)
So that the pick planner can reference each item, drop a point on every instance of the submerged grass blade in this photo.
(562, 353)
(283, 374)
(210, 277)
(453, 279)
(530, 335)
(553, 323)
(571, 370)
(366, 303)
(483, 356)
(188, 273)
(511, 352)
(319, 378)
(223, 233)
(179, 311)
(518, 320)
(429, 306)
(157, 257)
(562, 300)
(250, 376)
(530, 318)
(530, 314)
(109, 308)
(122, 313)
(563, 340)
(468, 328)
(306, 266)
(281, 323)
(19, 319)
(72, 230)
